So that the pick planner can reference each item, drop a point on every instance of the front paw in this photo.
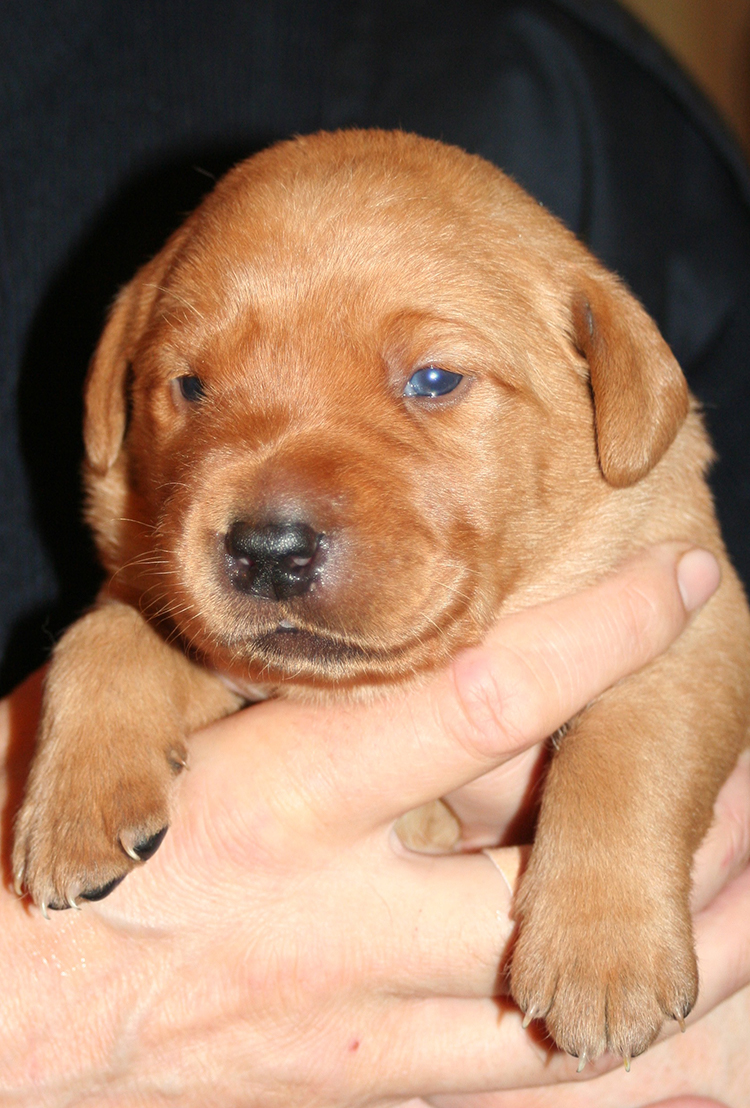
(86, 821)
(603, 970)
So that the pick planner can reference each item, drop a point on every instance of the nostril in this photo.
(273, 560)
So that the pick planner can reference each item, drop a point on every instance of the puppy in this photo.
(368, 398)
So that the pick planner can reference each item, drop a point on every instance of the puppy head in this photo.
(357, 401)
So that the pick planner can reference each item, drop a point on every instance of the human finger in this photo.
(722, 935)
(533, 672)
(725, 852)
(688, 1102)
(419, 1038)
(530, 1066)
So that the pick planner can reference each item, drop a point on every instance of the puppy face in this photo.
(366, 394)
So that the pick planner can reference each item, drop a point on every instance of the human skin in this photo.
(713, 1058)
(283, 949)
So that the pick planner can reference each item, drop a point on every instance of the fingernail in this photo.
(698, 577)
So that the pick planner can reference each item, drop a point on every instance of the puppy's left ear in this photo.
(640, 394)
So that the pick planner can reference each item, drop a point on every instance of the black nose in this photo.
(274, 561)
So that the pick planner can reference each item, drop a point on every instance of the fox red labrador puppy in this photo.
(368, 398)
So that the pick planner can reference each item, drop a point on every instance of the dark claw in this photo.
(53, 906)
(102, 891)
(146, 847)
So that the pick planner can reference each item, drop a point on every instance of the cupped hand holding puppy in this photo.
(282, 949)
(712, 1060)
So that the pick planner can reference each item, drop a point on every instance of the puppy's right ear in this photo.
(105, 401)
(105, 392)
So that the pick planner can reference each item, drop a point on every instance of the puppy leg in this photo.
(604, 951)
(117, 707)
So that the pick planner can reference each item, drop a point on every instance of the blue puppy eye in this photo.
(191, 388)
(432, 381)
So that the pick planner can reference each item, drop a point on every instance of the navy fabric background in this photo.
(115, 118)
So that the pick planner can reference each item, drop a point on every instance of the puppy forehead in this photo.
(387, 221)
(320, 260)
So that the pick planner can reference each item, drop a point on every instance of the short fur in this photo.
(306, 290)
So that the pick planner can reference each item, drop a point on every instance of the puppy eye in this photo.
(432, 381)
(191, 388)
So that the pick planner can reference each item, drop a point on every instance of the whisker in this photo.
(138, 522)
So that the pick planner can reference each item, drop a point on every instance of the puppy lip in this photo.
(288, 643)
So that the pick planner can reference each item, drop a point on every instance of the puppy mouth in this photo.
(288, 644)
(290, 651)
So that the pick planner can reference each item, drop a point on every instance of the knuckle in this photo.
(650, 611)
(642, 619)
(491, 702)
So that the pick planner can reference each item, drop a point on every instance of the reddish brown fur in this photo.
(305, 291)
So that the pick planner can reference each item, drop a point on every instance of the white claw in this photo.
(130, 852)
(177, 759)
(18, 883)
(681, 1023)
(73, 903)
(43, 909)
(582, 1062)
(528, 1017)
(626, 1060)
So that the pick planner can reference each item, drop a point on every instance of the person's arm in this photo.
(282, 947)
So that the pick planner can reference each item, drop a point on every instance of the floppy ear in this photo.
(640, 394)
(105, 401)
(105, 392)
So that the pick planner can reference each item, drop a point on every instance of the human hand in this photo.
(713, 1059)
(282, 948)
